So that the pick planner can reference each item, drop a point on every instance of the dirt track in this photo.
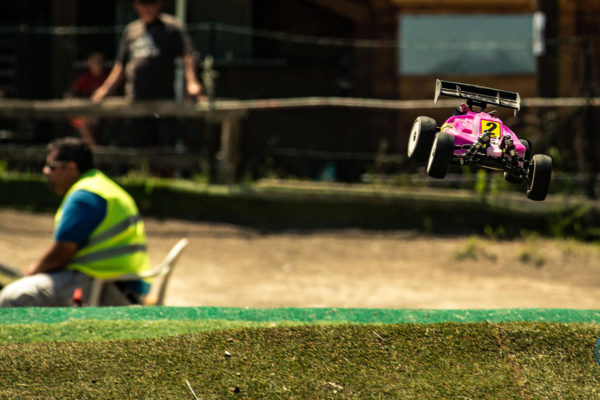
(227, 265)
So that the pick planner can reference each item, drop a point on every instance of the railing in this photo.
(228, 114)
(224, 109)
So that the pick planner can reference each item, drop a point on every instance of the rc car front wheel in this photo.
(540, 172)
(441, 155)
(421, 138)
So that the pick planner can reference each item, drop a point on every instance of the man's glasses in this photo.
(52, 165)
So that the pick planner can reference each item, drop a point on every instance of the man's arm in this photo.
(56, 257)
(193, 87)
(82, 213)
(111, 81)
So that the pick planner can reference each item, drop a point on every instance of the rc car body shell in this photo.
(468, 128)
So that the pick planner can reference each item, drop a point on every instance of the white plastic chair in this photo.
(163, 271)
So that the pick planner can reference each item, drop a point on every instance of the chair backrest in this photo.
(166, 268)
(162, 271)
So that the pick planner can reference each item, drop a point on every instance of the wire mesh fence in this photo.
(313, 107)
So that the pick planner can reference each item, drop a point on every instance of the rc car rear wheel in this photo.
(421, 138)
(441, 155)
(540, 172)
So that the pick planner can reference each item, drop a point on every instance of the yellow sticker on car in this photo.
(492, 127)
(446, 126)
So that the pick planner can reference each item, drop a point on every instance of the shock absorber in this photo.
(508, 147)
(482, 142)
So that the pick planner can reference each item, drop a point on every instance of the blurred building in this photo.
(407, 43)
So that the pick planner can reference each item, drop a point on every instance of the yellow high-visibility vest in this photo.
(118, 244)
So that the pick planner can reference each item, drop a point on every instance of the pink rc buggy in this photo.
(478, 138)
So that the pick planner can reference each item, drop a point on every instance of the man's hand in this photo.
(194, 91)
(192, 86)
(99, 94)
(111, 81)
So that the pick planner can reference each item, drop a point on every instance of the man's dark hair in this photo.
(73, 149)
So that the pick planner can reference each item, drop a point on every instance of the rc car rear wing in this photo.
(479, 96)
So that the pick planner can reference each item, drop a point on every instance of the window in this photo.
(468, 44)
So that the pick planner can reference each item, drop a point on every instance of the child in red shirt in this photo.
(84, 86)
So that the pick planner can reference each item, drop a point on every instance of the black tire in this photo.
(540, 172)
(441, 155)
(421, 138)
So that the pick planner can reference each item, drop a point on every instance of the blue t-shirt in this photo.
(83, 211)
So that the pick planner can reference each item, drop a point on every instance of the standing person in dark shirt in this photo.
(146, 57)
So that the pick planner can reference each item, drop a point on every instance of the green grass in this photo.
(342, 361)
(94, 330)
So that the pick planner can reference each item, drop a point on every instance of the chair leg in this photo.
(95, 292)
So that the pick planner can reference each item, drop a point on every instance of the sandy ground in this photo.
(227, 265)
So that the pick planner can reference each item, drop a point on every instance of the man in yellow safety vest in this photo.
(98, 234)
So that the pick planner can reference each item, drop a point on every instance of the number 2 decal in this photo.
(492, 127)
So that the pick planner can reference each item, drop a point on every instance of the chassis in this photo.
(479, 138)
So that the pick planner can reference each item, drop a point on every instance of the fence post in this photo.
(228, 155)
(590, 120)
(209, 83)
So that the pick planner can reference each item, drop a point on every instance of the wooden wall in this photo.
(419, 87)
(579, 52)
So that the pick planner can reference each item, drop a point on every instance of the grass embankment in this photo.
(299, 205)
(423, 361)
